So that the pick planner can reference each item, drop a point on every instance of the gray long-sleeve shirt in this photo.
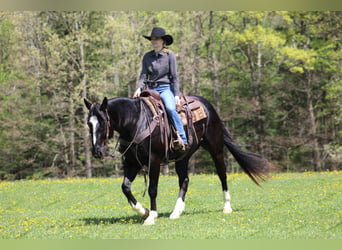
(160, 68)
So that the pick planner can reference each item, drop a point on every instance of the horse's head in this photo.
(99, 126)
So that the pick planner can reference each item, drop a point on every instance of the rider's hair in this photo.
(165, 48)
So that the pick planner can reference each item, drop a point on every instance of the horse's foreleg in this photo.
(183, 180)
(129, 176)
(153, 190)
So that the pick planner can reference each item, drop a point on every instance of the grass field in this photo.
(289, 206)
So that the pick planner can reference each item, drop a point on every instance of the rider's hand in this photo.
(177, 99)
(137, 93)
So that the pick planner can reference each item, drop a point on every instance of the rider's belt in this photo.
(155, 84)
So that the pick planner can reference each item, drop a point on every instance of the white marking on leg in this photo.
(151, 219)
(227, 209)
(94, 121)
(179, 208)
(139, 209)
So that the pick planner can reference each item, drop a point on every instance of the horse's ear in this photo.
(104, 104)
(87, 103)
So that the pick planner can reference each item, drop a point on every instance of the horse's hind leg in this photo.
(183, 180)
(218, 158)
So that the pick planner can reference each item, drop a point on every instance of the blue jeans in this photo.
(168, 98)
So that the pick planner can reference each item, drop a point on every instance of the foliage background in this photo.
(274, 77)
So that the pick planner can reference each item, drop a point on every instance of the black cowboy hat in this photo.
(160, 32)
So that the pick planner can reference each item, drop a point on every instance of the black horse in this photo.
(125, 116)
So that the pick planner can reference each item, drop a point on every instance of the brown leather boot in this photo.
(178, 145)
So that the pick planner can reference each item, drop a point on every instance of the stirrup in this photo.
(178, 145)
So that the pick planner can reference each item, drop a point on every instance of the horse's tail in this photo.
(253, 165)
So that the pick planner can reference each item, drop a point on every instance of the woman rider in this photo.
(159, 72)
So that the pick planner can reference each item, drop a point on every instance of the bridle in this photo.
(107, 126)
(107, 123)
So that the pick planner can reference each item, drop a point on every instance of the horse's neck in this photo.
(124, 114)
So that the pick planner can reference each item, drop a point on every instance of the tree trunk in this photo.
(192, 165)
(195, 69)
(71, 168)
(166, 169)
(259, 101)
(312, 125)
(256, 75)
(214, 64)
(85, 115)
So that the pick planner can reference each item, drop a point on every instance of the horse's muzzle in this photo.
(98, 152)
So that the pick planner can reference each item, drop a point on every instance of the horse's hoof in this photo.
(227, 210)
(141, 210)
(175, 215)
(179, 208)
(151, 219)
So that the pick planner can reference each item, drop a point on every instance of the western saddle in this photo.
(190, 111)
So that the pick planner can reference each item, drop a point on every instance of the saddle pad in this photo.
(197, 111)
